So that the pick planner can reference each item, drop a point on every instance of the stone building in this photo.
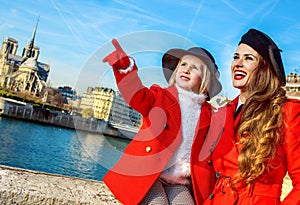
(98, 99)
(103, 98)
(293, 85)
(22, 73)
(87, 99)
(123, 115)
(68, 94)
(108, 105)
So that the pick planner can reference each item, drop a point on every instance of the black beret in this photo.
(267, 48)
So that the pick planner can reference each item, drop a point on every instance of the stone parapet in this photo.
(25, 187)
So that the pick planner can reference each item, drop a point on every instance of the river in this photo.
(57, 150)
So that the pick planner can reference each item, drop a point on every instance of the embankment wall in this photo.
(25, 187)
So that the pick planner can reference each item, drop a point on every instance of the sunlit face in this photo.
(188, 75)
(245, 61)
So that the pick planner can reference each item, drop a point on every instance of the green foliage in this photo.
(23, 98)
(87, 113)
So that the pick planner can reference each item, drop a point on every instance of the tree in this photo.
(87, 113)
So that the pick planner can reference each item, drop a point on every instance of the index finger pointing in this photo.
(116, 44)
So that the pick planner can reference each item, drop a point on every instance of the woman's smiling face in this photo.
(244, 62)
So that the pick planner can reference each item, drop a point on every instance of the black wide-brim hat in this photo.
(171, 58)
(267, 48)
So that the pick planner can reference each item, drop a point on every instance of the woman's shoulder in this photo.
(292, 104)
(291, 109)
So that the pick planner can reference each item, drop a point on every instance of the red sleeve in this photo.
(292, 149)
(135, 93)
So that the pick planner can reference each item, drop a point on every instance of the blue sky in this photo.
(74, 35)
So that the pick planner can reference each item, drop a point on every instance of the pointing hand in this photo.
(118, 59)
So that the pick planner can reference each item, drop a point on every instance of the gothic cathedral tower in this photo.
(31, 51)
(23, 73)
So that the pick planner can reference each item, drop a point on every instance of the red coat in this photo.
(153, 146)
(266, 190)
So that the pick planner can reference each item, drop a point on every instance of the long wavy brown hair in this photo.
(260, 128)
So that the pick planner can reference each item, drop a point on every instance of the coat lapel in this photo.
(221, 119)
(205, 116)
(172, 104)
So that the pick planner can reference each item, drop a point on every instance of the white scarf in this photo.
(178, 169)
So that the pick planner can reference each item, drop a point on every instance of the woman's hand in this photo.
(118, 59)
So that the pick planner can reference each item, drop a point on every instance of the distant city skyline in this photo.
(74, 35)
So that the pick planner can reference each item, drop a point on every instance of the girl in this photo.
(261, 143)
(160, 165)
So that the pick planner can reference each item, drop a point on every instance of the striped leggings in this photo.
(168, 194)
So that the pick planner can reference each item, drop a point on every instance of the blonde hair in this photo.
(205, 78)
(260, 128)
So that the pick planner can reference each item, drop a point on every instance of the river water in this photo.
(57, 150)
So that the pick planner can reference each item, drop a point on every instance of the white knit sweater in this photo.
(178, 168)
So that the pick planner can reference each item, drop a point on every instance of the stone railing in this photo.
(24, 187)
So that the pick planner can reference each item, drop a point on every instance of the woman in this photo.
(260, 144)
(160, 165)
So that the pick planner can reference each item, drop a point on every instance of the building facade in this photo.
(103, 98)
(22, 73)
(123, 115)
(293, 86)
(68, 94)
(108, 105)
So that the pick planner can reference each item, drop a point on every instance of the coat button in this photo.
(165, 125)
(218, 174)
(211, 196)
(148, 149)
(209, 162)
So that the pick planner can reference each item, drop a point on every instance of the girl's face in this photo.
(189, 72)
(245, 61)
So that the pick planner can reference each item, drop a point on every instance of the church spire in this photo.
(29, 51)
(31, 44)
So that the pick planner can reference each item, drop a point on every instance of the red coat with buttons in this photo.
(266, 190)
(149, 152)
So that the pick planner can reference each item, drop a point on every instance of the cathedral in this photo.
(23, 73)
